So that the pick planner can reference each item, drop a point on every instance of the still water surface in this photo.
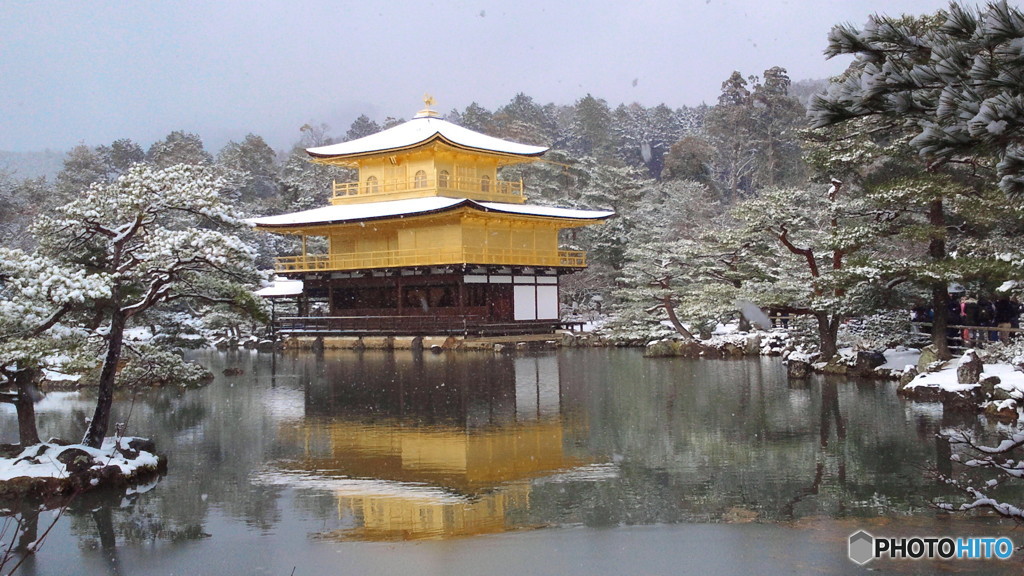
(575, 462)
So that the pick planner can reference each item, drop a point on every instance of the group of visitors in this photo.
(975, 320)
(977, 314)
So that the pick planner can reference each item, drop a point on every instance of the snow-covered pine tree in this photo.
(675, 267)
(42, 305)
(935, 96)
(179, 147)
(956, 77)
(644, 135)
(251, 168)
(813, 254)
(159, 236)
(523, 120)
(361, 127)
(589, 132)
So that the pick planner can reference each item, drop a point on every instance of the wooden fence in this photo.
(981, 335)
(465, 325)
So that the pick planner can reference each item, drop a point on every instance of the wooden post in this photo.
(399, 296)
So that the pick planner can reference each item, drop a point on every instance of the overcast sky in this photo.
(93, 71)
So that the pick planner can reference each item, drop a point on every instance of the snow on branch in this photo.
(998, 458)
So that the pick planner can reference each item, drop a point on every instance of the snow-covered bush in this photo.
(1011, 352)
(635, 328)
(803, 334)
(880, 332)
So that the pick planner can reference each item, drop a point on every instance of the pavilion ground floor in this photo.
(454, 300)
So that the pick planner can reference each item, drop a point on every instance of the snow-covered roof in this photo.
(419, 131)
(358, 212)
(281, 288)
(352, 213)
(550, 211)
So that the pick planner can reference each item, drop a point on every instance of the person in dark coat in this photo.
(1015, 310)
(986, 319)
(1004, 312)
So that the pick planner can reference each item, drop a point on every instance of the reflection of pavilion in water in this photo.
(424, 446)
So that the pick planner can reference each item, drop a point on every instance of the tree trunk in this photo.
(940, 292)
(940, 321)
(29, 536)
(104, 519)
(25, 381)
(670, 309)
(101, 418)
(828, 334)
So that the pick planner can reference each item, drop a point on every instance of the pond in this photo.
(593, 461)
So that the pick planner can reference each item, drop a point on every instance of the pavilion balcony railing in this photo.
(430, 257)
(476, 187)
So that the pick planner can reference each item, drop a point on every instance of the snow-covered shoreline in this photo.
(54, 470)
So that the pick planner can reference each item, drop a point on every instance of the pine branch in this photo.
(807, 253)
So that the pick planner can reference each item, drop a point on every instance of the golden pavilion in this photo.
(428, 240)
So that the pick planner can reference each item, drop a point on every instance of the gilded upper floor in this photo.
(425, 157)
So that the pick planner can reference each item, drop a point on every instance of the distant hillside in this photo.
(32, 164)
